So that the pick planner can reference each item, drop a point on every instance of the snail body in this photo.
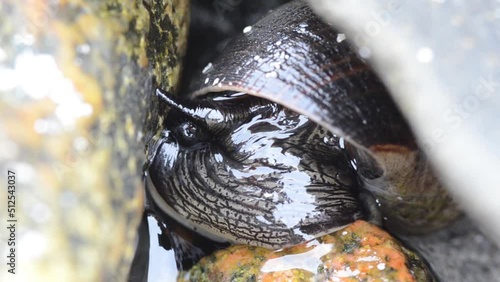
(267, 167)
(272, 173)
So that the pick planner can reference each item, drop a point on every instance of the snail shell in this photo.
(211, 172)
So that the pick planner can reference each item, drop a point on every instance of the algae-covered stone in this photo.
(76, 79)
(359, 252)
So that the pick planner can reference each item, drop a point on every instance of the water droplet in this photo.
(80, 144)
(24, 39)
(247, 29)
(35, 243)
(276, 65)
(365, 52)
(26, 170)
(353, 163)
(207, 68)
(3, 55)
(40, 212)
(41, 126)
(206, 80)
(263, 219)
(68, 200)
(272, 74)
(230, 83)
(215, 81)
(364, 121)
(425, 55)
(302, 28)
(340, 37)
(268, 195)
(83, 49)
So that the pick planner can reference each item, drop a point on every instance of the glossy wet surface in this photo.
(257, 174)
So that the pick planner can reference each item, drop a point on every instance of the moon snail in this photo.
(289, 135)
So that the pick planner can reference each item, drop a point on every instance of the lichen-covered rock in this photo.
(75, 84)
(359, 252)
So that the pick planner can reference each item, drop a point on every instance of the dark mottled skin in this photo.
(267, 177)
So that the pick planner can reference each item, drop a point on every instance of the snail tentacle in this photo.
(216, 117)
